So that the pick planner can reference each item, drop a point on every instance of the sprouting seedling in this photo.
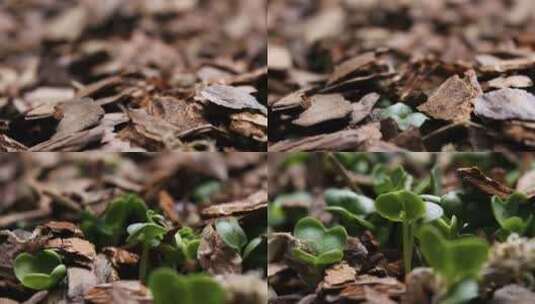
(352, 207)
(458, 262)
(148, 235)
(40, 271)
(165, 285)
(233, 235)
(183, 248)
(515, 214)
(404, 116)
(407, 207)
(318, 246)
(385, 180)
(110, 228)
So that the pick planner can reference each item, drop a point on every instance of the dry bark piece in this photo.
(77, 116)
(364, 107)
(388, 286)
(294, 100)
(81, 251)
(338, 275)
(324, 108)
(61, 229)
(250, 125)
(167, 204)
(253, 202)
(506, 104)
(215, 256)
(346, 140)
(120, 292)
(119, 257)
(346, 68)
(42, 101)
(231, 97)
(488, 63)
(516, 81)
(452, 101)
(526, 184)
(279, 58)
(80, 280)
(484, 183)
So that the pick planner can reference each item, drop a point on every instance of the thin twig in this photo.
(342, 170)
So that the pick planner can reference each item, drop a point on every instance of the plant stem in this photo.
(144, 263)
(407, 247)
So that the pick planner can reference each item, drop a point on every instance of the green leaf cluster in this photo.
(110, 228)
(319, 246)
(168, 287)
(40, 271)
(404, 116)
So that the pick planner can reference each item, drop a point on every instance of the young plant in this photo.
(233, 235)
(41, 271)
(458, 262)
(318, 245)
(407, 207)
(148, 235)
(404, 116)
(351, 207)
(385, 180)
(110, 228)
(515, 214)
(166, 285)
(182, 250)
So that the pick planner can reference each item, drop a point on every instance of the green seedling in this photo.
(204, 192)
(254, 254)
(404, 116)
(319, 246)
(110, 228)
(385, 180)
(231, 233)
(41, 271)
(148, 235)
(351, 207)
(167, 287)
(458, 262)
(515, 214)
(407, 207)
(182, 249)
